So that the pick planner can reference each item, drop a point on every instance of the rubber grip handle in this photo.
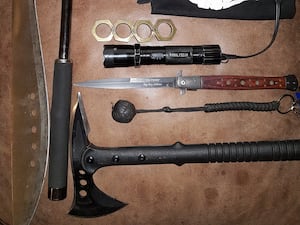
(254, 151)
(59, 130)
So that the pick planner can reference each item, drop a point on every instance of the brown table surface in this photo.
(236, 193)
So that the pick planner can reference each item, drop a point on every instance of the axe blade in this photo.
(94, 203)
(89, 200)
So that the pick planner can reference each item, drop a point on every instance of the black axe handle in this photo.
(60, 111)
(94, 157)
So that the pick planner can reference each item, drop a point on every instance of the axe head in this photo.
(89, 201)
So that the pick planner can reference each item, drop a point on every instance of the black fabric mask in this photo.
(249, 10)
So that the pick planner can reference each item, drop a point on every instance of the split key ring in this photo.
(291, 107)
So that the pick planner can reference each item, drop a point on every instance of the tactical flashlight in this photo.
(136, 55)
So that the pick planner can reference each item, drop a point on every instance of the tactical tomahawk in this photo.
(89, 201)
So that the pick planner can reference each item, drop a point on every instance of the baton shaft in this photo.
(65, 29)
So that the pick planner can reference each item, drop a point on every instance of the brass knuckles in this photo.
(94, 30)
(137, 24)
(116, 35)
(157, 34)
(154, 30)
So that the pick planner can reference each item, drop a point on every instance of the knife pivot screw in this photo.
(142, 157)
(182, 82)
(90, 159)
(115, 158)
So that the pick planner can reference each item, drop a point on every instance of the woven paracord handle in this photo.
(236, 106)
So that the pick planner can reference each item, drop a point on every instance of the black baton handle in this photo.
(59, 133)
(60, 111)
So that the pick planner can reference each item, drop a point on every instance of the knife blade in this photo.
(225, 82)
(30, 113)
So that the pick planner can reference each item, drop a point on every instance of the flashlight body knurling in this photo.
(136, 55)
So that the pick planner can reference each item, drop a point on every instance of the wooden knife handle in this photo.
(288, 82)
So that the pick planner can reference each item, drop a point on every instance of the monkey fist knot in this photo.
(123, 111)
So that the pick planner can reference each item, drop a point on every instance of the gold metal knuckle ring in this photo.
(115, 32)
(98, 23)
(136, 34)
(158, 35)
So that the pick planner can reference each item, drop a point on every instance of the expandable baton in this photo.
(60, 111)
(136, 55)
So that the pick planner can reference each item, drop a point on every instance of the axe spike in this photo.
(89, 201)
